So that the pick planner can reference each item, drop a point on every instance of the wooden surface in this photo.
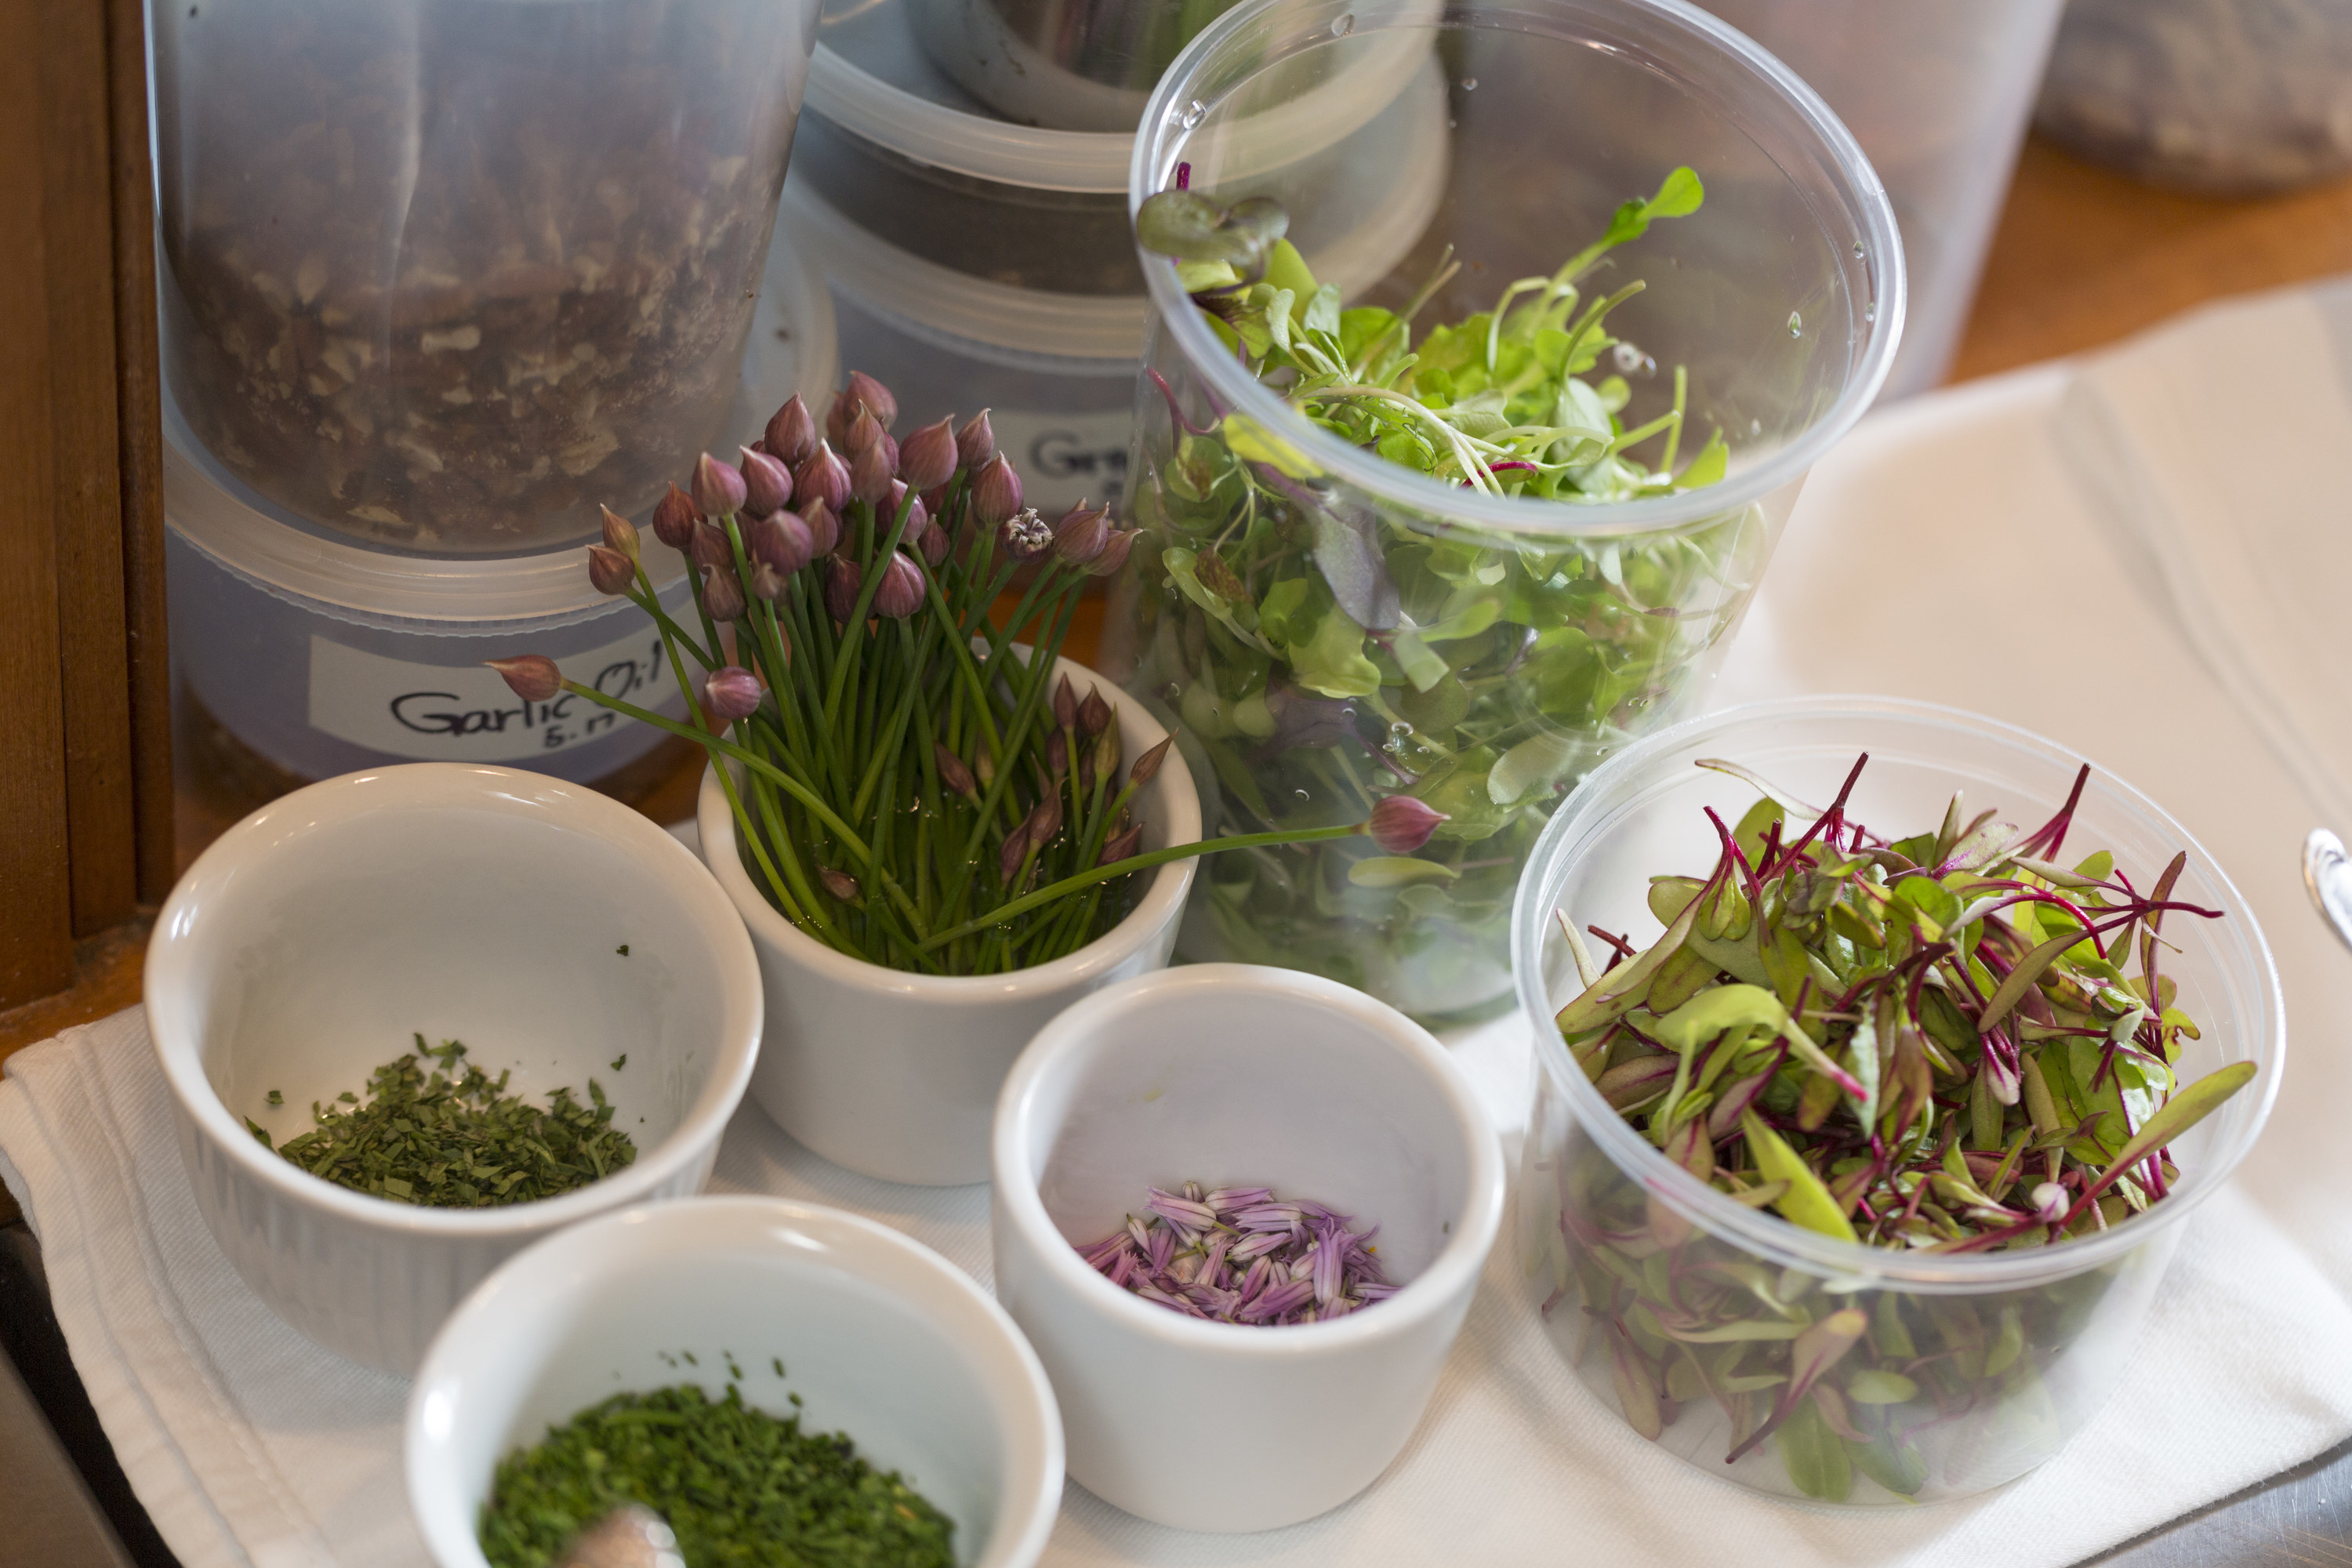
(35, 884)
(2081, 257)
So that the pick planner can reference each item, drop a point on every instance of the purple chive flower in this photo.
(722, 595)
(1081, 535)
(822, 477)
(929, 458)
(1115, 549)
(532, 677)
(731, 692)
(976, 442)
(609, 571)
(864, 392)
(1400, 824)
(901, 592)
(869, 474)
(1026, 536)
(767, 483)
(710, 548)
(717, 489)
(792, 432)
(674, 519)
(1197, 1253)
(996, 493)
(781, 543)
(841, 585)
(823, 527)
(620, 533)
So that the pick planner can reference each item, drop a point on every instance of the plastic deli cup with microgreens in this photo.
(1462, 532)
(1880, 1050)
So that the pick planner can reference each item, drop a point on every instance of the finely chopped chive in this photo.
(623, 949)
(741, 1488)
(457, 1140)
(620, 1061)
(277, 1097)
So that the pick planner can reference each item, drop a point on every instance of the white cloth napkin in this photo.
(251, 1447)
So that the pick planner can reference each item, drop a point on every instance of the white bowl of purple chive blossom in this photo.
(1254, 1349)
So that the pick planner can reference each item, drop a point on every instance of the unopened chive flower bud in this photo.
(674, 519)
(933, 545)
(983, 767)
(1105, 754)
(1081, 535)
(901, 592)
(869, 475)
(1114, 554)
(822, 477)
(1065, 705)
(717, 489)
(730, 692)
(837, 417)
(929, 458)
(1026, 536)
(781, 543)
(610, 570)
(790, 435)
(840, 581)
(710, 548)
(1057, 752)
(1146, 766)
(620, 533)
(873, 396)
(1401, 824)
(767, 483)
(823, 528)
(722, 595)
(864, 431)
(767, 584)
(976, 442)
(533, 677)
(1121, 845)
(1094, 713)
(839, 883)
(1046, 821)
(952, 772)
(1010, 854)
(996, 493)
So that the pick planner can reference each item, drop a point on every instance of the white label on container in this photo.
(1066, 458)
(464, 713)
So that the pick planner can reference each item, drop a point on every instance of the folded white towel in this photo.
(252, 1446)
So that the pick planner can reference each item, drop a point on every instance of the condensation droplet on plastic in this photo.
(1469, 84)
(1796, 325)
(1301, 793)
(1870, 312)
(1343, 24)
(1400, 729)
(1756, 426)
(1628, 357)
(1858, 251)
(1195, 113)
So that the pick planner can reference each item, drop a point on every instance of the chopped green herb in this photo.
(778, 1362)
(737, 1484)
(620, 1061)
(452, 1139)
(276, 1097)
(623, 949)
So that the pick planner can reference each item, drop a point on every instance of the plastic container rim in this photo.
(1768, 1236)
(1158, 143)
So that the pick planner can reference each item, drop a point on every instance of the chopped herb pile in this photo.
(1930, 1043)
(449, 1139)
(1240, 1254)
(741, 1488)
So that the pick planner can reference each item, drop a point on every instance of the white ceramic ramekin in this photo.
(316, 938)
(882, 1339)
(1237, 1075)
(895, 1075)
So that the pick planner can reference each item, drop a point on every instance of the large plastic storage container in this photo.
(444, 273)
(299, 654)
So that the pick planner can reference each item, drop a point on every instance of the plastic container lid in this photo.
(955, 310)
(872, 79)
(792, 349)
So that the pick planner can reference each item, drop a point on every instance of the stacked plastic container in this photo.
(979, 259)
(440, 277)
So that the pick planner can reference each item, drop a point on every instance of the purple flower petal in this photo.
(1326, 1258)
(1224, 1200)
(1162, 1247)
(1268, 1217)
(1185, 1212)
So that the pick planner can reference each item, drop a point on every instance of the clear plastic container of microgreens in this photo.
(1686, 1311)
(1367, 628)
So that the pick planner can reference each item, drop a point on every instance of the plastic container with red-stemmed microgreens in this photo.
(910, 786)
(1856, 1181)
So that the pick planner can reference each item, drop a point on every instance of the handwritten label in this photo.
(464, 713)
(1066, 458)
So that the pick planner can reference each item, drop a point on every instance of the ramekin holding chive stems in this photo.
(1328, 1139)
(1855, 1184)
(565, 940)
